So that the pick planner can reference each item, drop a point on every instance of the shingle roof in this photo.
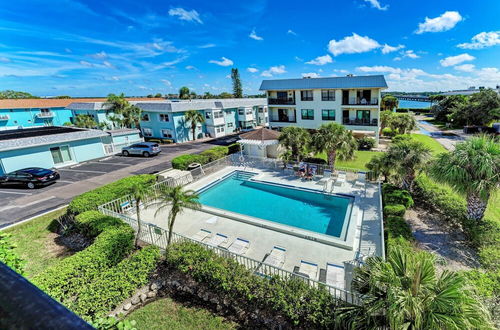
(261, 134)
(375, 81)
(55, 103)
(200, 104)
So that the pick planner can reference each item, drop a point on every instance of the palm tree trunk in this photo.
(193, 127)
(171, 227)
(332, 155)
(476, 207)
(138, 212)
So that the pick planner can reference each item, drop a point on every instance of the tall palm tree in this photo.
(402, 123)
(140, 193)
(176, 199)
(389, 102)
(408, 157)
(406, 292)
(385, 118)
(336, 141)
(472, 169)
(296, 139)
(381, 165)
(195, 118)
(184, 92)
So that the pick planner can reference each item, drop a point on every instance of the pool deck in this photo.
(365, 223)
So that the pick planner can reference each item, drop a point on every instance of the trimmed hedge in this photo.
(182, 162)
(233, 148)
(314, 160)
(398, 227)
(394, 210)
(402, 197)
(63, 280)
(292, 299)
(92, 223)
(117, 283)
(92, 199)
(215, 153)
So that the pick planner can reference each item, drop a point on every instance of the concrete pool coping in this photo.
(348, 230)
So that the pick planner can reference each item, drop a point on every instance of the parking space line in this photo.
(14, 192)
(119, 164)
(66, 181)
(83, 171)
(105, 158)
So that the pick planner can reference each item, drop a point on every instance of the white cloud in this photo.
(321, 60)
(293, 33)
(310, 75)
(85, 63)
(108, 65)
(279, 69)
(254, 36)
(184, 15)
(4, 59)
(386, 49)
(166, 82)
(409, 53)
(190, 67)
(100, 55)
(67, 50)
(465, 67)
(224, 62)
(482, 40)
(445, 22)
(454, 60)
(207, 46)
(299, 59)
(115, 78)
(252, 70)
(376, 4)
(352, 44)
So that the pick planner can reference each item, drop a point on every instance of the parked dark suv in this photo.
(30, 177)
(145, 149)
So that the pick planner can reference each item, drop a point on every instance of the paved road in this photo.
(17, 204)
(447, 139)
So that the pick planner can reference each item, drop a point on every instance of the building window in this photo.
(308, 114)
(60, 154)
(306, 95)
(145, 117)
(219, 129)
(328, 95)
(164, 117)
(208, 115)
(241, 112)
(44, 110)
(218, 114)
(229, 125)
(147, 132)
(166, 133)
(328, 114)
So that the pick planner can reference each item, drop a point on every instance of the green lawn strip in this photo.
(436, 147)
(359, 163)
(35, 243)
(493, 210)
(168, 314)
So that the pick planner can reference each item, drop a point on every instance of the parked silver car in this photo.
(144, 149)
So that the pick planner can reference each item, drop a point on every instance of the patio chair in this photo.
(277, 257)
(201, 235)
(126, 207)
(341, 179)
(311, 172)
(327, 175)
(217, 240)
(335, 275)
(360, 181)
(307, 269)
(239, 246)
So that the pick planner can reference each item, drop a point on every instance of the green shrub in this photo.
(92, 199)
(402, 197)
(402, 138)
(388, 188)
(388, 132)
(440, 198)
(63, 280)
(182, 162)
(117, 283)
(8, 256)
(233, 148)
(314, 160)
(293, 299)
(487, 284)
(92, 223)
(394, 209)
(366, 143)
(489, 256)
(397, 226)
(215, 153)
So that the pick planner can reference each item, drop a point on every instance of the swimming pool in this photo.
(290, 206)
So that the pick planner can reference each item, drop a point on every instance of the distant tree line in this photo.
(10, 94)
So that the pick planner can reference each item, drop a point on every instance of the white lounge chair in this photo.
(239, 246)
(335, 275)
(217, 239)
(341, 179)
(360, 181)
(201, 235)
(276, 257)
(308, 269)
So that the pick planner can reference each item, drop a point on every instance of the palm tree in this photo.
(132, 116)
(389, 102)
(184, 92)
(195, 118)
(336, 141)
(385, 118)
(380, 165)
(295, 139)
(472, 169)
(402, 123)
(176, 200)
(406, 292)
(85, 121)
(408, 157)
(139, 193)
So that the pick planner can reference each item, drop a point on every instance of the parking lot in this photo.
(20, 203)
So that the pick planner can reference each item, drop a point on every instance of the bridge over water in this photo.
(420, 98)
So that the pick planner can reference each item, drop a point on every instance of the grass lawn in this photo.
(165, 313)
(436, 147)
(35, 243)
(493, 210)
(359, 163)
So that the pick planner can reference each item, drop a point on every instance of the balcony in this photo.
(283, 120)
(4, 117)
(48, 114)
(360, 122)
(288, 101)
(357, 101)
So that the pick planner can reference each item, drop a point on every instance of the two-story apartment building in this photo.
(353, 101)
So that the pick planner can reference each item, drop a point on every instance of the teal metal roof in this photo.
(375, 81)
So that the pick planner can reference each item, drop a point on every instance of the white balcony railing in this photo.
(49, 114)
(4, 117)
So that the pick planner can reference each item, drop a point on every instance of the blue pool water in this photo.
(414, 104)
(288, 206)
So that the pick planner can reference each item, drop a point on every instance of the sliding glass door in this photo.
(60, 154)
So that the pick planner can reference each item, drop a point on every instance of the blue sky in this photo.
(92, 48)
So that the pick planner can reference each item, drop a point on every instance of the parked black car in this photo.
(30, 177)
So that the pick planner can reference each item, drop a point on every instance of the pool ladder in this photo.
(244, 176)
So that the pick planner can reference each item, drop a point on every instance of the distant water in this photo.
(414, 104)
